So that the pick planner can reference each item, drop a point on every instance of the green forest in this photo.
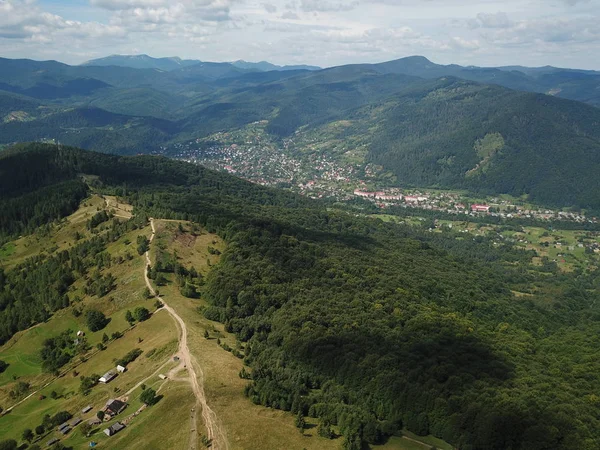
(368, 326)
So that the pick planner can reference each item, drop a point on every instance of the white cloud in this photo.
(327, 5)
(290, 15)
(270, 8)
(168, 11)
(23, 19)
(497, 20)
(548, 30)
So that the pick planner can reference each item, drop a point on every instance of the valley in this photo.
(407, 123)
(391, 256)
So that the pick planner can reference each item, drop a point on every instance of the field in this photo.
(410, 441)
(568, 249)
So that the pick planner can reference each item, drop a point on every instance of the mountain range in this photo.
(509, 130)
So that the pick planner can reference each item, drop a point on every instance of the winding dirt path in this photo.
(214, 432)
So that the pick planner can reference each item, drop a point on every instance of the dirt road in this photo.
(214, 431)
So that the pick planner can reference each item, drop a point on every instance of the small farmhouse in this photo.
(110, 375)
(121, 369)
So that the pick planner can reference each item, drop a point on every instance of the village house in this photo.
(114, 428)
(480, 208)
(121, 369)
(364, 194)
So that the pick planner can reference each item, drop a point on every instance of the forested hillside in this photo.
(370, 326)
(443, 134)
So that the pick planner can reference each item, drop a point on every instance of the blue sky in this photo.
(322, 32)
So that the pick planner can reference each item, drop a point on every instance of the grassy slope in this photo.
(61, 237)
(22, 352)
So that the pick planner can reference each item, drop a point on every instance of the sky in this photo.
(563, 33)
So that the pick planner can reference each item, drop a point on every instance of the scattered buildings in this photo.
(52, 441)
(114, 428)
(87, 409)
(121, 369)
(317, 174)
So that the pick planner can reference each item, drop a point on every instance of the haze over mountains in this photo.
(543, 143)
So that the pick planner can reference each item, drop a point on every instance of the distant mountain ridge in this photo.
(574, 84)
(265, 66)
(142, 62)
